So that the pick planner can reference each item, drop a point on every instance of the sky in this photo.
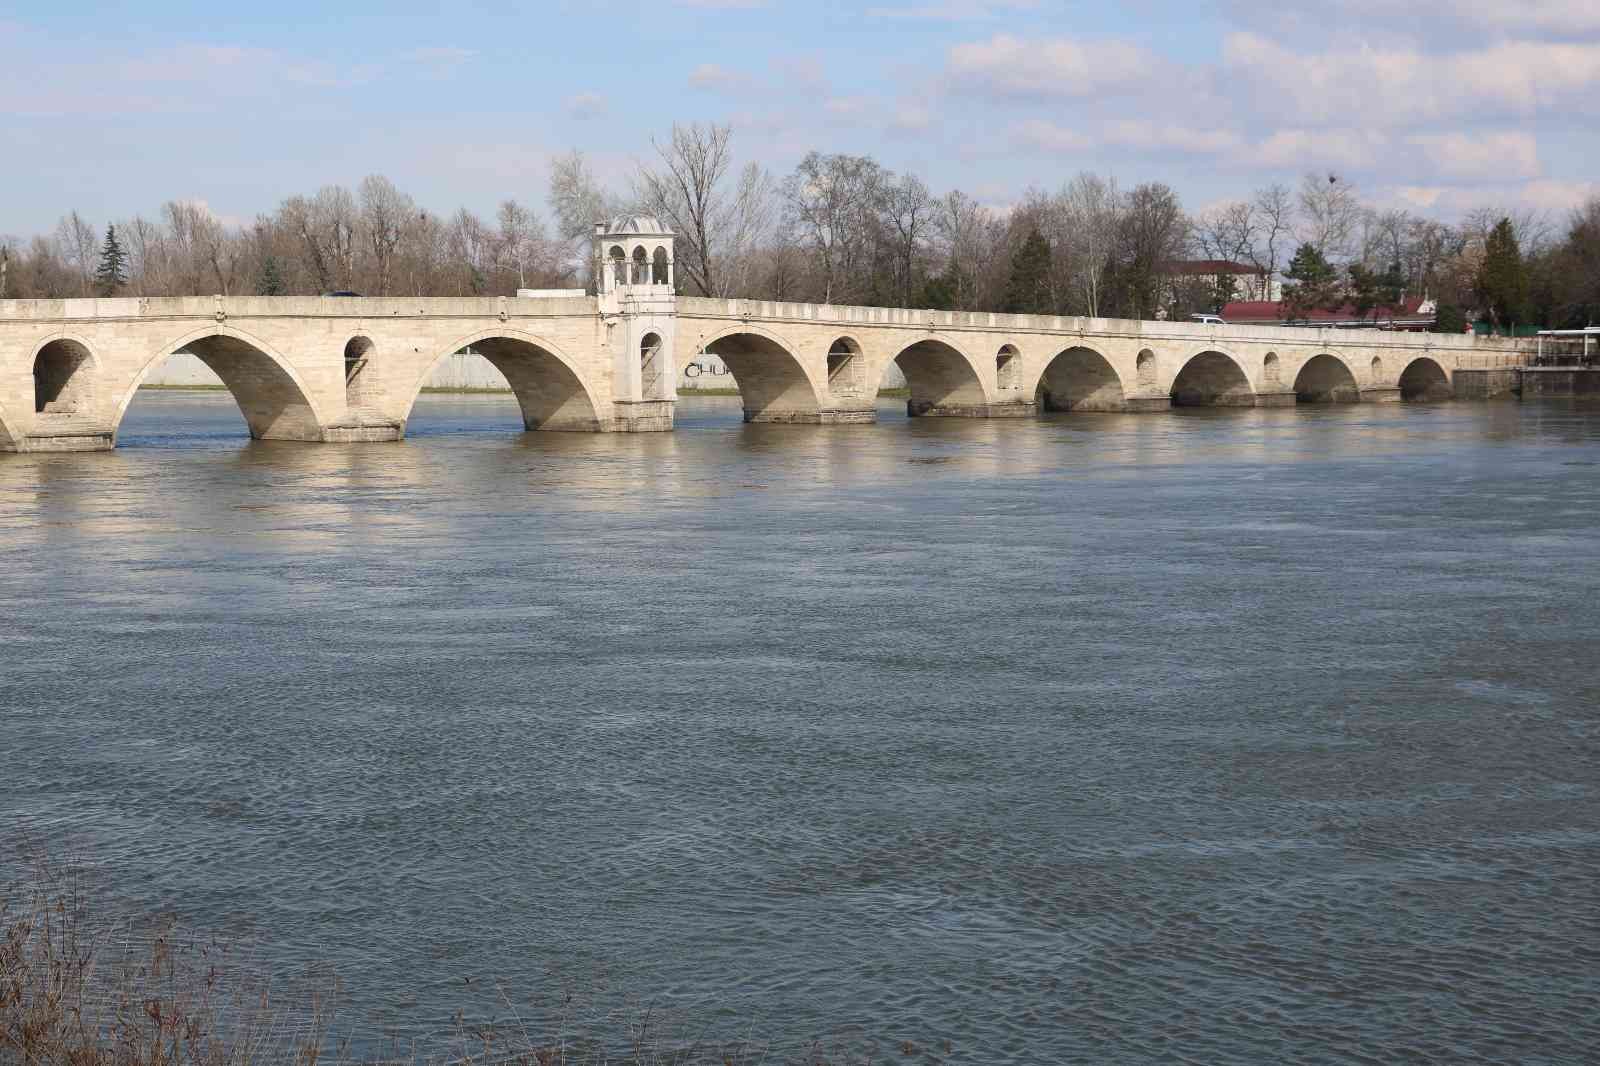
(113, 108)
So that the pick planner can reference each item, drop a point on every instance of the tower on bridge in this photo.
(633, 270)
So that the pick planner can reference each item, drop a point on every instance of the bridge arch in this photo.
(1212, 379)
(1424, 379)
(1326, 378)
(941, 377)
(1081, 379)
(272, 396)
(773, 383)
(64, 372)
(551, 391)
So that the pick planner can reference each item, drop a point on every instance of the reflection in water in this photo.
(1266, 735)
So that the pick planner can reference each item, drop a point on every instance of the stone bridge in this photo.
(342, 369)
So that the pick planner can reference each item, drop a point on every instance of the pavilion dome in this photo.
(635, 226)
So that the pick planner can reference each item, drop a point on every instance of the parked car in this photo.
(342, 292)
(1208, 320)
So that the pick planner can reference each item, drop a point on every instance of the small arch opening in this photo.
(660, 268)
(360, 377)
(1271, 369)
(1008, 368)
(1377, 370)
(1425, 381)
(1145, 366)
(846, 367)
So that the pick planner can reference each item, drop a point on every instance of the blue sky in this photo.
(113, 108)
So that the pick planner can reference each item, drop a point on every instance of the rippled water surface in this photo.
(1214, 736)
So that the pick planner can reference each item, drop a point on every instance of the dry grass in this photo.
(77, 991)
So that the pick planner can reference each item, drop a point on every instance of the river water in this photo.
(1267, 735)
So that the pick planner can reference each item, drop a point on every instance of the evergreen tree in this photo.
(270, 283)
(1449, 319)
(1316, 284)
(1503, 278)
(1392, 286)
(113, 272)
(1028, 289)
(1363, 289)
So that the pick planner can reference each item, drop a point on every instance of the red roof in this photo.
(1270, 311)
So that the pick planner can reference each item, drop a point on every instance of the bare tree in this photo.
(1093, 211)
(1331, 215)
(686, 193)
(76, 239)
(1274, 209)
(520, 237)
(907, 209)
(385, 210)
(831, 203)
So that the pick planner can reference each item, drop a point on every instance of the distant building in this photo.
(1415, 315)
(1249, 282)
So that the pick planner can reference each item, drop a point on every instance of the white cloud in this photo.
(956, 10)
(1523, 18)
(1011, 66)
(587, 105)
(716, 78)
(1395, 85)
(1044, 135)
(1148, 136)
(1495, 156)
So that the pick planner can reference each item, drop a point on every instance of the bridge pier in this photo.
(1277, 398)
(1014, 409)
(642, 416)
(1381, 394)
(67, 435)
(1147, 402)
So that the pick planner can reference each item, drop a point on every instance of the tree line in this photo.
(844, 229)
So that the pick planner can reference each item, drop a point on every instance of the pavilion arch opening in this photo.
(1212, 379)
(652, 373)
(1424, 380)
(660, 268)
(641, 266)
(269, 398)
(1325, 379)
(619, 265)
(1008, 368)
(847, 368)
(1080, 379)
(1145, 368)
(772, 384)
(63, 379)
(939, 380)
(360, 373)
(1272, 370)
(549, 395)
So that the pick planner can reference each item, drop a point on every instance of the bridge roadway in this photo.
(350, 369)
